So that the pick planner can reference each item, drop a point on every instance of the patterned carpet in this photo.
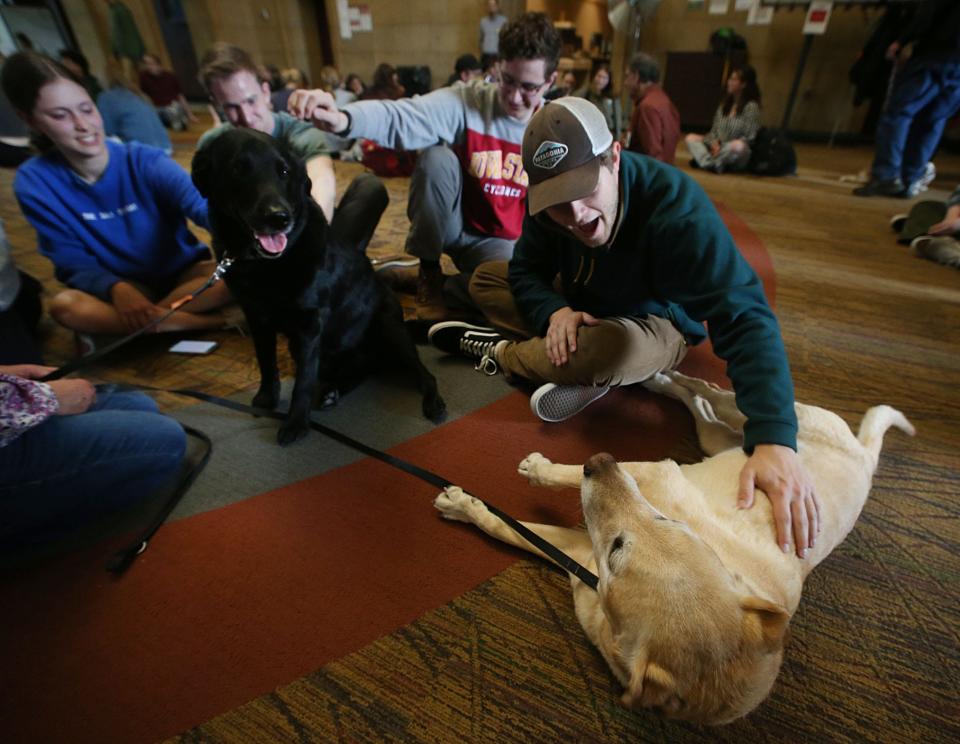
(508, 663)
(230, 629)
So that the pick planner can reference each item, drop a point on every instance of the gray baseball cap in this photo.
(561, 146)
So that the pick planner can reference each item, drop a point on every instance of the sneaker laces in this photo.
(478, 348)
(488, 365)
(481, 349)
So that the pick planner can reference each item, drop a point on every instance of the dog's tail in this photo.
(875, 423)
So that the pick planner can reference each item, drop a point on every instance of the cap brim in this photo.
(565, 187)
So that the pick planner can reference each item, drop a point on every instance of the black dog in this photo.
(294, 274)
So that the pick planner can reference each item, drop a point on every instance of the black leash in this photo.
(123, 559)
(555, 554)
(120, 561)
(83, 361)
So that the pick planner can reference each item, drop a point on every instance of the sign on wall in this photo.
(818, 16)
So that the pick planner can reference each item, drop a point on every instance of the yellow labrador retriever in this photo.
(695, 596)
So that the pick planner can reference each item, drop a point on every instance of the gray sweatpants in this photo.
(436, 224)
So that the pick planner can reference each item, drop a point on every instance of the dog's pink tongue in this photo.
(273, 243)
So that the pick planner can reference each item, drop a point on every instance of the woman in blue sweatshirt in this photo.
(111, 217)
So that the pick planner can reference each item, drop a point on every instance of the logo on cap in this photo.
(549, 154)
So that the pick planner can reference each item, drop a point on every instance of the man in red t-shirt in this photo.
(655, 123)
(164, 90)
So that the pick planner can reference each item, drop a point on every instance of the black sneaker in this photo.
(472, 341)
(876, 187)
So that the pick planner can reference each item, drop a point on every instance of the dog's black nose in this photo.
(277, 219)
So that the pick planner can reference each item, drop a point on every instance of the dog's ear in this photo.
(201, 171)
(764, 623)
(652, 686)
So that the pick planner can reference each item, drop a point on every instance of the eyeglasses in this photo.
(527, 89)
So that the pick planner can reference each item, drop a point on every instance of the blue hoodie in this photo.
(129, 225)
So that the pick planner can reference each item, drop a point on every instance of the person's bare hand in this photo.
(949, 225)
(135, 310)
(318, 106)
(893, 51)
(561, 339)
(777, 470)
(73, 396)
(714, 148)
(27, 371)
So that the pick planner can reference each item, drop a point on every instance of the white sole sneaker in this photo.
(554, 403)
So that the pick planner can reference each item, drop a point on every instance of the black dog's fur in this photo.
(338, 316)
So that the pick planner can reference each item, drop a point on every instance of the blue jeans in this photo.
(70, 468)
(925, 95)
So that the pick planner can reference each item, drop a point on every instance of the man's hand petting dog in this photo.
(319, 107)
(777, 471)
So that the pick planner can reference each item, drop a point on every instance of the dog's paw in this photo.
(267, 398)
(291, 431)
(456, 504)
(435, 408)
(532, 467)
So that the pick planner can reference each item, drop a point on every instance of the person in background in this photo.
(229, 75)
(931, 228)
(565, 85)
(621, 263)
(726, 147)
(20, 310)
(599, 91)
(330, 82)
(925, 94)
(467, 199)
(14, 135)
(272, 76)
(489, 64)
(466, 69)
(127, 113)
(292, 80)
(655, 122)
(163, 89)
(354, 83)
(111, 217)
(386, 85)
(490, 26)
(70, 451)
(77, 65)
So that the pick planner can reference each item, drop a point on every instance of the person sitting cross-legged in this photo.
(111, 217)
(643, 260)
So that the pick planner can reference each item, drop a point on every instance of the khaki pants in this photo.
(618, 351)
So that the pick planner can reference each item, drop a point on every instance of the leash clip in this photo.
(222, 267)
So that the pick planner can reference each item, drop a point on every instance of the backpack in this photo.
(772, 154)
(725, 40)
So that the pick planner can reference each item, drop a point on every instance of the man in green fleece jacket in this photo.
(621, 261)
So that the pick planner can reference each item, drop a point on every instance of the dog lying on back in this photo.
(291, 276)
(695, 596)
